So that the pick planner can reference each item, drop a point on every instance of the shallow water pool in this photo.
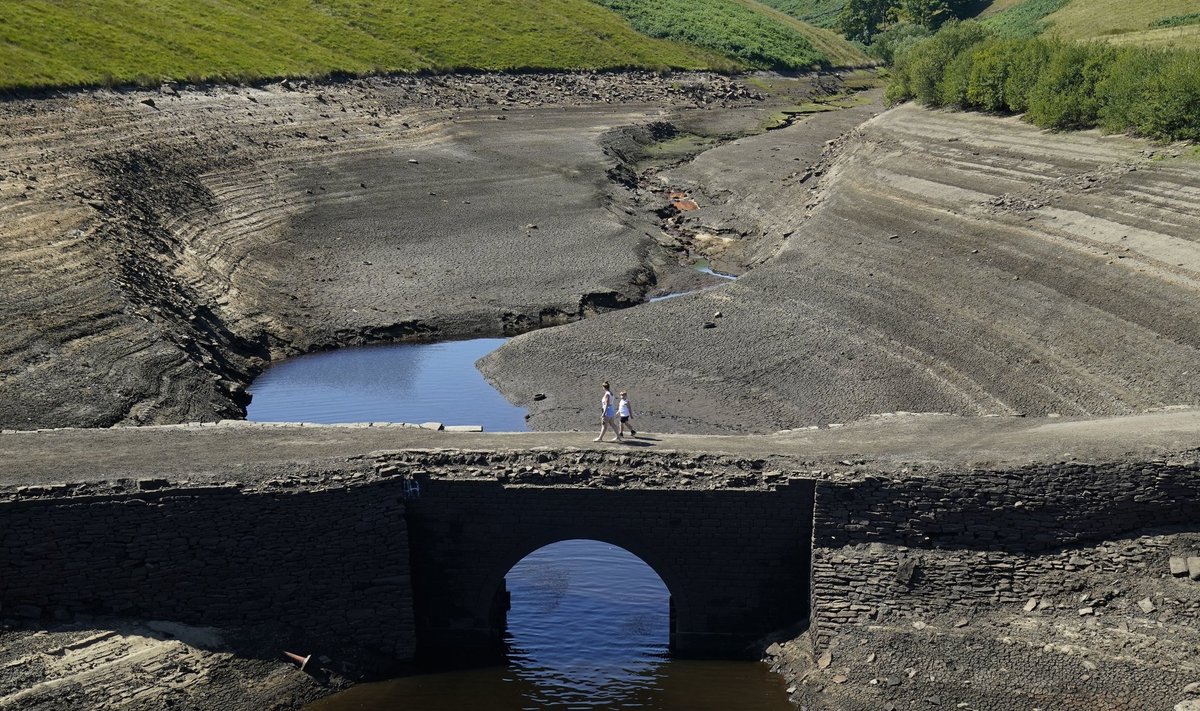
(430, 382)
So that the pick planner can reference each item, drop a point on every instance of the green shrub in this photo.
(896, 39)
(1064, 96)
(1178, 20)
(1173, 99)
(920, 69)
(991, 62)
(1058, 85)
(1023, 71)
(956, 77)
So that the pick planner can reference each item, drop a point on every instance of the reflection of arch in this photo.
(498, 601)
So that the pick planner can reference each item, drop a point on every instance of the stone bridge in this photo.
(736, 562)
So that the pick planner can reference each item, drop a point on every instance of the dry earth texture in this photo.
(159, 249)
(926, 261)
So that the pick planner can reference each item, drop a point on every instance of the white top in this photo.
(623, 408)
(606, 403)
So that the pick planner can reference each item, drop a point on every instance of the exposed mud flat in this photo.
(160, 247)
(927, 261)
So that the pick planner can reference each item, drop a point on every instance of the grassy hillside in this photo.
(821, 13)
(727, 26)
(1160, 23)
(836, 48)
(82, 42)
(1123, 19)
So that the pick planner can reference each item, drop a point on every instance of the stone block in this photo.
(464, 428)
(1193, 563)
(432, 426)
(1146, 605)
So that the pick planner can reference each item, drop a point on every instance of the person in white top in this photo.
(608, 415)
(625, 413)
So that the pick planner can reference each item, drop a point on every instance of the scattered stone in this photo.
(1189, 705)
(1193, 563)
(718, 314)
(825, 660)
(531, 226)
(538, 397)
(918, 625)
(1031, 605)
(1193, 688)
(893, 236)
(709, 324)
(148, 102)
(871, 658)
(962, 623)
(1085, 611)
(1146, 605)
(414, 161)
(774, 650)
(1179, 567)
(840, 679)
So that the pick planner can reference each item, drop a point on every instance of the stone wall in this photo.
(323, 571)
(947, 542)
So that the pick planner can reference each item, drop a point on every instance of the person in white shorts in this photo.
(626, 414)
(608, 415)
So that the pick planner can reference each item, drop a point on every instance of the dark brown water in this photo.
(588, 630)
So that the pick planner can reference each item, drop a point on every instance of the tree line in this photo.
(1056, 84)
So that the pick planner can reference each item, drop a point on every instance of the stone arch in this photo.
(736, 562)
(504, 562)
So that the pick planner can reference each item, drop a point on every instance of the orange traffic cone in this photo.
(302, 661)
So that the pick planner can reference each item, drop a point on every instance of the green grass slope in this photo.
(820, 13)
(726, 26)
(88, 42)
(1161, 23)
(835, 47)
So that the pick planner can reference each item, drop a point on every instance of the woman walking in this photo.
(608, 415)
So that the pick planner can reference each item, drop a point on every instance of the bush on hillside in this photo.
(921, 69)
(896, 38)
(1058, 85)
(1064, 96)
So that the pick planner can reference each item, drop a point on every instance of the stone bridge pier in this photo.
(736, 562)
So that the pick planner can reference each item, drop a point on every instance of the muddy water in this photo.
(435, 382)
(588, 629)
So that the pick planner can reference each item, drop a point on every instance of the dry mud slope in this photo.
(158, 248)
(927, 261)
